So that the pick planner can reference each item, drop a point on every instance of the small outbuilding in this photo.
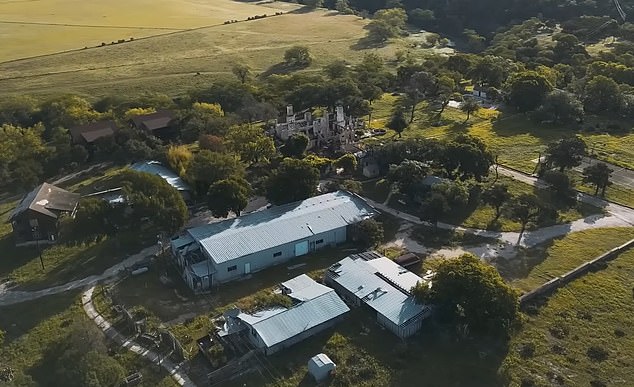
(321, 367)
(89, 133)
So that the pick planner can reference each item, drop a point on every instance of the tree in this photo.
(434, 208)
(560, 107)
(523, 209)
(397, 122)
(527, 90)
(208, 167)
(469, 105)
(211, 142)
(93, 220)
(566, 153)
(422, 18)
(387, 23)
(367, 233)
(152, 198)
(337, 69)
(343, 6)
(599, 175)
(294, 180)
(466, 156)
(242, 72)
(295, 146)
(251, 143)
(602, 95)
(472, 294)
(179, 157)
(421, 84)
(475, 41)
(408, 176)
(496, 197)
(67, 111)
(348, 162)
(561, 185)
(298, 56)
(228, 195)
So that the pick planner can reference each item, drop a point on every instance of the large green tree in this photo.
(496, 196)
(599, 175)
(152, 198)
(602, 95)
(407, 176)
(472, 294)
(208, 167)
(524, 209)
(228, 195)
(295, 146)
(527, 90)
(251, 143)
(298, 56)
(566, 153)
(292, 181)
(560, 107)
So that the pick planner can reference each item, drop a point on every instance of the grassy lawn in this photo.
(582, 334)
(536, 266)
(69, 25)
(33, 330)
(210, 52)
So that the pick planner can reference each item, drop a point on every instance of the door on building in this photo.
(247, 268)
(301, 248)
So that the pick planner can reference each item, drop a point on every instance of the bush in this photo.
(597, 353)
(559, 330)
(368, 233)
(527, 350)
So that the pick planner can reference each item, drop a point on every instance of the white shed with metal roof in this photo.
(384, 286)
(321, 367)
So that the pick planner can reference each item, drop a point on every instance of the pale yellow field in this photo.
(177, 62)
(36, 27)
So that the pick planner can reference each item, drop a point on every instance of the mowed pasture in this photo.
(181, 61)
(30, 28)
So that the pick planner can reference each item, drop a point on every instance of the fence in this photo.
(577, 272)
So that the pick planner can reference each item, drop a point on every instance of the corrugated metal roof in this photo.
(304, 288)
(376, 282)
(321, 360)
(277, 226)
(301, 317)
(156, 168)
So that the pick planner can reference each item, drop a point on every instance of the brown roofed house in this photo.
(158, 124)
(36, 218)
(89, 133)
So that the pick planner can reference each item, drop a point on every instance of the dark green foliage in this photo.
(599, 175)
(368, 233)
(295, 146)
(298, 56)
(560, 107)
(566, 153)
(228, 195)
(154, 199)
(348, 162)
(397, 122)
(208, 167)
(292, 181)
(524, 209)
(496, 197)
(408, 176)
(467, 157)
(469, 292)
(561, 185)
(527, 90)
(602, 95)
(469, 106)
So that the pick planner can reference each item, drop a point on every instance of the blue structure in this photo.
(227, 250)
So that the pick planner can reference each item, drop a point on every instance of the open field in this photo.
(170, 63)
(536, 266)
(582, 336)
(31, 28)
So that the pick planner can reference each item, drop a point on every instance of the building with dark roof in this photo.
(36, 218)
(89, 133)
(159, 124)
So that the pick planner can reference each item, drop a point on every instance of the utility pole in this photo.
(36, 235)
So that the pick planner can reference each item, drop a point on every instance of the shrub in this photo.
(558, 349)
(527, 350)
(617, 332)
(597, 353)
(559, 330)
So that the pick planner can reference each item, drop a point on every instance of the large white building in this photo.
(384, 287)
(334, 128)
(231, 249)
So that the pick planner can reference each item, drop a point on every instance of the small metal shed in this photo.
(320, 367)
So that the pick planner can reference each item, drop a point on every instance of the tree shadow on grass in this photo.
(14, 257)
(367, 43)
(19, 319)
(280, 69)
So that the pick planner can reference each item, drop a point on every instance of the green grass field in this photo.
(539, 265)
(31, 28)
(33, 330)
(582, 336)
(170, 63)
